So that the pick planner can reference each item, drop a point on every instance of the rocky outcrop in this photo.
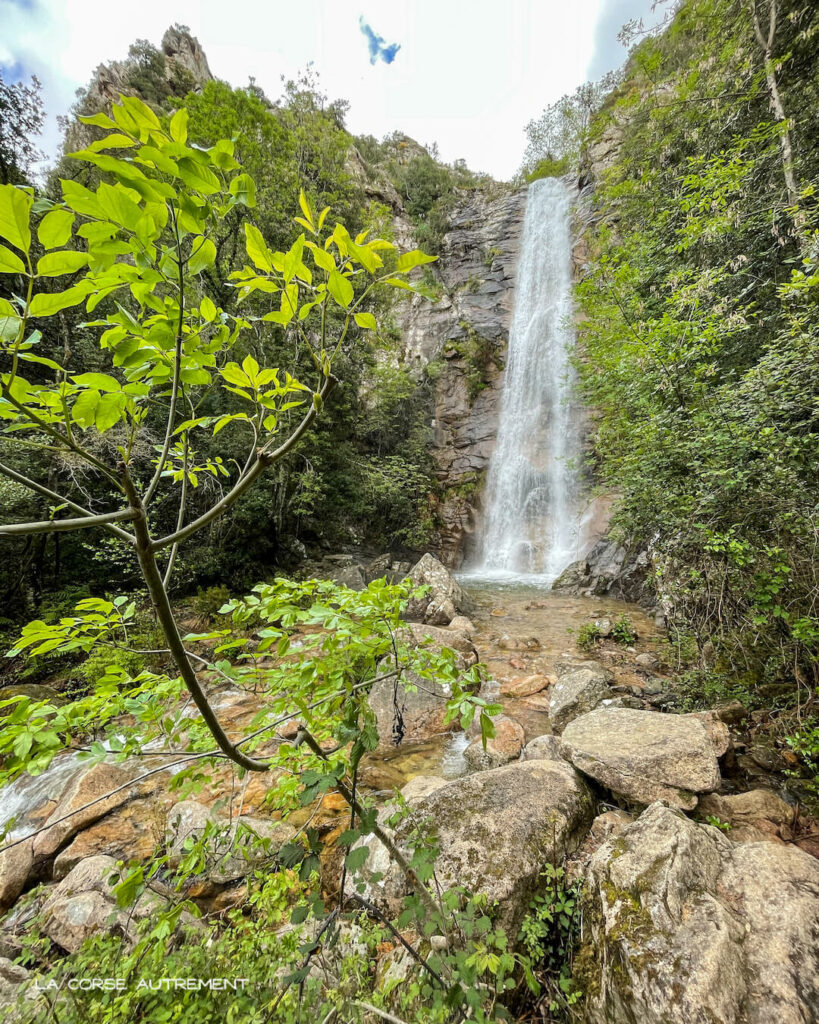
(577, 692)
(610, 569)
(495, 831)
(687, 927)
(465, 332)
(644, 756)
(444, 598)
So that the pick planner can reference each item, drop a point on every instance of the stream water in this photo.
(521, 629)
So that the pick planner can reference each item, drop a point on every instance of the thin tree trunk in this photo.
(785, 145)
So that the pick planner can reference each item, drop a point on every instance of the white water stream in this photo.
(533, 523)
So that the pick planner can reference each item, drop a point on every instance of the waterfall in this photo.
(532, 522)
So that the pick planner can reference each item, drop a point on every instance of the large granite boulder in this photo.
(444, 598)
(495, 831)
(644, 756)
(685, 926)
(577, 692)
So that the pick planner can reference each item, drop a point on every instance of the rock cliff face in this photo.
(465, 335)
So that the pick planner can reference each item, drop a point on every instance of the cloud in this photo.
(376, 44)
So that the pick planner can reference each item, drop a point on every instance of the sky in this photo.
(465, 74)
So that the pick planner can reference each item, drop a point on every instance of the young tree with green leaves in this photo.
(136, 248)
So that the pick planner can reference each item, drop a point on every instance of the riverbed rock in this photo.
(15, 866)
(543, 748)
(644, 756)
(685, 926)
(577, 692)
(405, 715)
(496, 829)
(503, 747)
(77, 801)
(524, 686)
(443, 600)
(234, 848)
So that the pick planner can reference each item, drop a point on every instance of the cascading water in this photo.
(532, 524)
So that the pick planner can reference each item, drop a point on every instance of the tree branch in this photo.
(32, 485)
(264, 459)
(64, 525)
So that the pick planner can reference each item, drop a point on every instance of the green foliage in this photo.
(699, 343)
(588, 636)
(549, 934)
(623, 632)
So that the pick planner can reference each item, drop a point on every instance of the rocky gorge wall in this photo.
(461, 340)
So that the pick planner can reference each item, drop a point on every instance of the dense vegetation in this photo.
(700, 344)
(366, 476)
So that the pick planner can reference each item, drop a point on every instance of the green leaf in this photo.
(243, 189)
(66, 261)
(256, 248)
(357, 857)
(80, 199)
(84, 409)
(367, 321)
(109, 411)
(340, 288)
(15, 206)
(204, 254)
(10, 263)
(47, 304)
(99, 120)
(207, 310)
(99, 381)
(142, 114)
(55, 228)
(197, 177)
(414, 258)
(179, 126)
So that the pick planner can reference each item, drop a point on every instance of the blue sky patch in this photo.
(377, 45)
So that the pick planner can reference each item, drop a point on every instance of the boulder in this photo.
(409, 715)
(685, 926)
(83, 788)
(435, 638)
(351, 576)
(543, 748)
(444, 598)
(524, 686)
(462, 623)
(576, 693)
(234, 848)
(648, 661)
(495, 831)
(644, 756)
(759, 814)
(503, 747)
(15, 866)
(12, 979)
